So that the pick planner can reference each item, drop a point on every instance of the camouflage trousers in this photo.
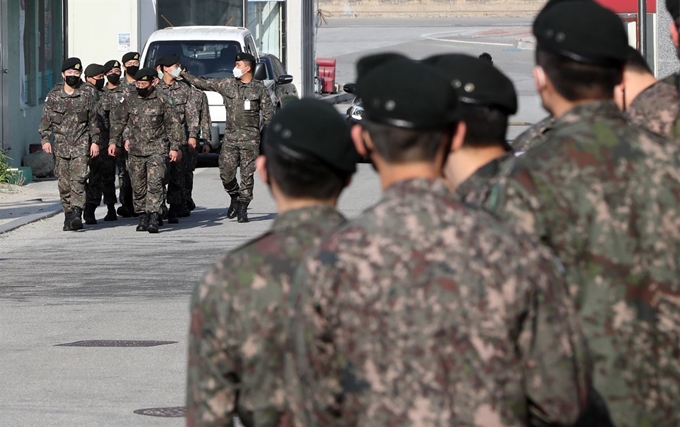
(102, 180)
(242, 155)
(72, 174)
(176, 178)
(146, 176)
(189, 168)
(125, 194)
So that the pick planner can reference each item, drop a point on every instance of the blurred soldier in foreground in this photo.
(486, 99)
(151, 119)
(422, 311)
(238, 315)
(605, 196)
(70, 117)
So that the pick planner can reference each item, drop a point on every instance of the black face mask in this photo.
(99, 84)
(131, 71)
(114, 79)
(144, 92)
(72, 80)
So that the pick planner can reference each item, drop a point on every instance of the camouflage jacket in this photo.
(476, 189)
(532, 136)
(657, 108)
(71, 119)
(243, 124)
(101, 123)
(183, 98)
(151, 122)
(424, 312)
(110, 105)
(605, 196)
(204, 121)
(237, 321)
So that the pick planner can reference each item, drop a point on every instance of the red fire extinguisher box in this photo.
(327, 74)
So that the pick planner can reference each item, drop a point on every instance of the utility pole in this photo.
(642, 27)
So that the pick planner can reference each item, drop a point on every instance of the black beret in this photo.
(130, 56)
(146, 75)
(367, 63)
(673, 7)
(244, 56)
(94, 70)
(583, 31)
(408, 94)
(72, 64)
(168, 60)
(313, 130)
(478, 82)
(110, 65)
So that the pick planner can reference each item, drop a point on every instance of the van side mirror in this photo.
(284, 79)
(260, 71)
(350, 88)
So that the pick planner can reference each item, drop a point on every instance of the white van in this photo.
(206, 51)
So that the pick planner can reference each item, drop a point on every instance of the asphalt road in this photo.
(109, 282)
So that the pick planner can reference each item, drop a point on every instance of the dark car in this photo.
(356, 111)
(277, 81)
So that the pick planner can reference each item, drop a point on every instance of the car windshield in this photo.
(214, 59)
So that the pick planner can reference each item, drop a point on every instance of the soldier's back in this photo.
(657, 108)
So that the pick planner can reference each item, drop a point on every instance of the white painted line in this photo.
(433, 37)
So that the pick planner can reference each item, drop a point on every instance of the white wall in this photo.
(294, 64)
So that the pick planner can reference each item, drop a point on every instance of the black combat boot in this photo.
(68, 217)
(153, 223)
(183, 211)
(143, 222)
(172, 215)
(77, 219)
(111, 213)
(242, 212)
(124, 211)
(88, 214)
(190, 204)
(233, 207)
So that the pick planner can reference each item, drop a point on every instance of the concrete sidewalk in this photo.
(21, 205)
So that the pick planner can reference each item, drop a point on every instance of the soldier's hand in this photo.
(112, 150)
(127, 145)
(47, 147)
(94, 150)
(192, 143)
(206, 148)
(175, 155)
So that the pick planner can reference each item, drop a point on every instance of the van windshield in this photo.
(202, 58)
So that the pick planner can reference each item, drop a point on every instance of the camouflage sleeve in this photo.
(512, 201)
(192, 113)
(45, 127)
(119, 121)
(266, 106)
(216, 85)
(206, 122)
(93, 119)
(173, 125)
(212, 387)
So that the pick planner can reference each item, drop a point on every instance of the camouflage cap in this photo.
(477, 81)
(130, 56)
(393, 96)
(110, 65)
(244, 56)
(94, 70)
(168, 60)
(673, 7)
(72, 64)
(583, 31)
(313, 130)
(146, 75)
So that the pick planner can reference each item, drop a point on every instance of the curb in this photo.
(28, 219)
(337, 98)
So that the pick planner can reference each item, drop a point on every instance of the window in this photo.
(202, 58)
(41, 24)
(173, 13)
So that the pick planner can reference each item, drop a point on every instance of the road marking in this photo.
(432, 36)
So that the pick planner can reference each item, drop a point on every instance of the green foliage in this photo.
(4, 167)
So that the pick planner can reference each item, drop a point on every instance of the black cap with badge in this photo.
(168, 60)
(94, 70)
(130, 56)
(478, 82)
(72, 64)
(244, 56)
(583, 31)
(146, 75)
(110, 65)
(392, 96)
(312, 130)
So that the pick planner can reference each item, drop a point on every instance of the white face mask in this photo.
(160, 74)
(176, 72)
(237, 72)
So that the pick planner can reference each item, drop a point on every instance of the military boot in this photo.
(68, 217)
(183, 211)
(153, 223)
(143, 223)
(242, 212)
(124, 211)
(77, 219)
(190, 204)
(111, 213)
(88, 214)
(233, 207)
(172, 215)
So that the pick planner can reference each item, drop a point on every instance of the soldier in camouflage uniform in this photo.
(422, 311)
(237, 313)
(605, 196)
(204, 124)
(533, 136)
(101, 180)
(248, 105)
(70, 117)
(183, 98)
(486, 99)
(152, 120)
